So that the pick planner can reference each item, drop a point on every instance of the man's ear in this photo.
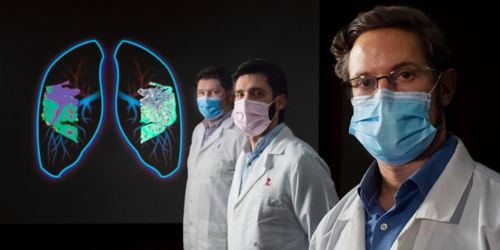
(281, 102)
(448, 86)
(230, 96)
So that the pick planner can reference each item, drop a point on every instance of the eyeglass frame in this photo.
(348, 86)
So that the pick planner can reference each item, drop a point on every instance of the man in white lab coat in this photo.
(424, 191)
(281, 187)
(214, 149)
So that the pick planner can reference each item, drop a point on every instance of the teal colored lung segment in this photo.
(158, 110)
(60, 110)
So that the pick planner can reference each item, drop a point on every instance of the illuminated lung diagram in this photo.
(147, 108)
(69, 108)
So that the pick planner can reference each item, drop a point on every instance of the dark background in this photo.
(109, 201)
(109, 193)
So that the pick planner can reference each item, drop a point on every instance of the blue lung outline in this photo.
(37, 114)
(181, 112)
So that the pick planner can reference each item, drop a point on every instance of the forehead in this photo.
(207, 84)
(252, 81)
(379, 51)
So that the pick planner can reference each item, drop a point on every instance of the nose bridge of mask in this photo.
(386, 101)
(393, 126)
(206, 99)
(257, 102)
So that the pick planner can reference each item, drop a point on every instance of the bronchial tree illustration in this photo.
(146, 106)
(69, 107)
(148, 109)
(152, 107)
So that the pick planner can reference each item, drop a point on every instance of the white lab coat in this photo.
(461, 211)
(285, 196)
(210, 172)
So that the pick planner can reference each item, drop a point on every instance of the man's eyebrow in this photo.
(403, 64)
(394, 67)
(255, 88)
(250, 89)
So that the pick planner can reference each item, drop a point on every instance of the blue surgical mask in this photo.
(210, 107)
(393, 127)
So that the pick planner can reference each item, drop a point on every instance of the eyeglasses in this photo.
(406, 78)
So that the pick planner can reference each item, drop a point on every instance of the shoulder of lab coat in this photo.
(459, 212)
(205, 221)
(228, 131)
(346, 218)
(312, 189)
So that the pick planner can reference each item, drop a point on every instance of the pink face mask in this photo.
(251, 117)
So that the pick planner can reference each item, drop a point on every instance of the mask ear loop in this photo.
(275, 111)
(432, 90)
(436, 83)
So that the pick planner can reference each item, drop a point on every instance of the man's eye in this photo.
(364, 82)
(258, 93)
(406, 75)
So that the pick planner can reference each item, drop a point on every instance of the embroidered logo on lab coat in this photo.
(268, 182)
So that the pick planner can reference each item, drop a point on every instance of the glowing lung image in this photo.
(158, 110)
(148, 109)
(69, 109)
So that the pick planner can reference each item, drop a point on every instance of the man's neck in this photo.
(254, 139)
(210, 123)
(394, 176)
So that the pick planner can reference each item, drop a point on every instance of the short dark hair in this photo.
(275, 77)
(218, 73)
(436, 52)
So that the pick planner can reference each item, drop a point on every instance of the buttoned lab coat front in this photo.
(285, 196)
(210, 172)
(461, 211)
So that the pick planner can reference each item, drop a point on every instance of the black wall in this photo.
(110, 186)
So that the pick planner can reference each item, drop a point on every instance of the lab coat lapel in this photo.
(218, 133)
(265, 161)
(440, 204)
(351, 226)
(235, 186)
(261, 166)
(213, 137)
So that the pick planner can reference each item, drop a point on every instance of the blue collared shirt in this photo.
(382, 228)
(209, 130)
(250, 155)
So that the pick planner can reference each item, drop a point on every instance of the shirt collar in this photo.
(424, 178)
(262, 143)
(218, 122)
(370, 183)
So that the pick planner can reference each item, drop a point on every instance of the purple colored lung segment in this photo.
(69, 108)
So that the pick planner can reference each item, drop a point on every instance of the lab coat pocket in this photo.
(271, 220)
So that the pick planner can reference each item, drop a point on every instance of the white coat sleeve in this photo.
(313, 191)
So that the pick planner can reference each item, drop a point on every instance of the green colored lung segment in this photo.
(158, 110)
(60, 110)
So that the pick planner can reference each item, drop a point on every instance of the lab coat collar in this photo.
(278, 145)
(351, 221)
(355, 210)
(444, 198)
(219, 132)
